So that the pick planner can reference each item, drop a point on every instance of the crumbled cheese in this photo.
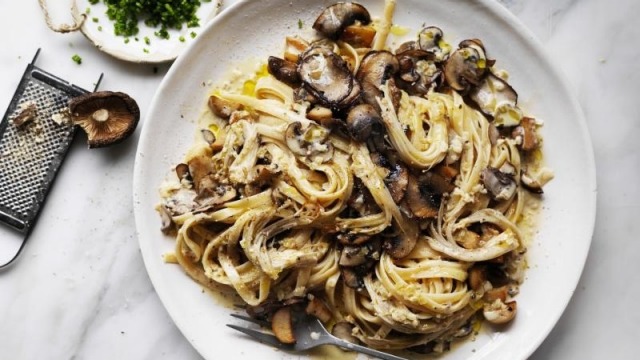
(315, 335)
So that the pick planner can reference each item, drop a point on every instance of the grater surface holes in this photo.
(28, 154)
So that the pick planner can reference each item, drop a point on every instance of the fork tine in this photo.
(260, 336)
(252, 320)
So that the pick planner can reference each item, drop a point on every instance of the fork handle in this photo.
(363, 349)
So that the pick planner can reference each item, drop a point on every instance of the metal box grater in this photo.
(31, 156)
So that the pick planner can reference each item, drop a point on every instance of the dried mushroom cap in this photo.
(107, 117)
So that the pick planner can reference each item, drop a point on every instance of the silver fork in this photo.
(309, 333)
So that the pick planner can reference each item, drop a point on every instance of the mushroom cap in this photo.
(336, 17)
(327, 77)
(107, 117)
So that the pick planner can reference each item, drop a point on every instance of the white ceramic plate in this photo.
(99, 30)
(257, 28)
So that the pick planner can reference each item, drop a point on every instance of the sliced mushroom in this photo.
(430, 39)
(418, 71)
(465, 67)
(107, 117)
(400, 246)
(424, 194)
(221, 107)
(359, 36)
(501, 186)
(362, 120)
(318, 309)
(499, 312)
(352, 239)
(310, 141)
(375, 69)
(343, 330)
(167, 224)
(283, 70)
(351, 278)
(496, 98)
(397, 182)
(353, 255)
(497, 293)
(327, 77)
(336, 17)
(530, 183)
(182, 171)
(477, 277)
(282, 326)
(213, 195)
(527, 132)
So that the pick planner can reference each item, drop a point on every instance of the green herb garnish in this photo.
(300, 24)
(165, 14)
(77, 59)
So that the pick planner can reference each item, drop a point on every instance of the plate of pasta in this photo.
(411, 173)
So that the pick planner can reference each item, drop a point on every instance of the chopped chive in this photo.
(77, 59)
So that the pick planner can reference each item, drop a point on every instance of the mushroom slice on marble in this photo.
(335, 18)
(107, 117)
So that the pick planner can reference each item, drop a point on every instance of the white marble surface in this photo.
(80, 289)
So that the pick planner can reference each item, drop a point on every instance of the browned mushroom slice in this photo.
(375, 69)
(400, 246)
(283, 70)
(167, 224)
(357, 255)
(477, 277)
(361, 121)
(282, 326)
(397, 182)
(359, 36)
(212, 194)
(326, 76)
(221, 107)
(465, 67)
(107, 117)
(501, 186)
(430, 39)
(351, 278)
(318, 309)
(496, 98)
(530, 183)
(310, 141)
(418, 71)
(200, 167)
(182, 171)
(527, 132)
(336, 17)
(424, 194)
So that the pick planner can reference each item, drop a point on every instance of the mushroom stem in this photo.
(100, 115)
